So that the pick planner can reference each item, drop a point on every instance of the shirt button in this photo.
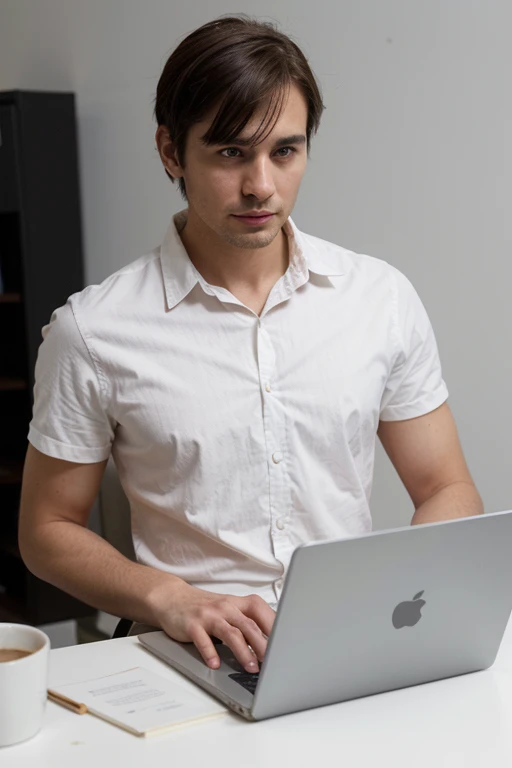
(277, 457)
(280, 524)
(268, 387)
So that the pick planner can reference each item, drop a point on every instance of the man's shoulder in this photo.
(131, 283)
(344, 260)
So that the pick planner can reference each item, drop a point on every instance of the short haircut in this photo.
(239, 65)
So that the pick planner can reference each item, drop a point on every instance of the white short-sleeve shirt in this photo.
(236, 437)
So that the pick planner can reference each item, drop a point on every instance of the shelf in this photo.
(10, 472)
(10, 298)
(8, 384)
(39, 272)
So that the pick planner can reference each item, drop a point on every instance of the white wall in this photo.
(413, 163)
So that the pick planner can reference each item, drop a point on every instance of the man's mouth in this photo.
(252, 218)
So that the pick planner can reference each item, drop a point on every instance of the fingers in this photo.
(247, 622)
(239, 622)
(204, 645)
(260, 612)
(251, 633)
(230, 636)
(236, 641)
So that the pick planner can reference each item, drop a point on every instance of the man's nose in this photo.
(259, 180)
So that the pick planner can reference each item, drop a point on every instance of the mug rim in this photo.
(42, 635)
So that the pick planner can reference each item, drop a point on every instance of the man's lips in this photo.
(254, 219)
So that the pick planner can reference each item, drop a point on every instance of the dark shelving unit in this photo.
(40, 266)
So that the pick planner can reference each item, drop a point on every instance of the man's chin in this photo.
(252, 240)
(258, 239)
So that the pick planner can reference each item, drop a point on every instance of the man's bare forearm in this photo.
(83, 564)
(459, 499)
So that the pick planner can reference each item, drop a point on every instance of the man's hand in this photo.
(190, 614)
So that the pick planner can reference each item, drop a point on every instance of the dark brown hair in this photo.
(241, 65)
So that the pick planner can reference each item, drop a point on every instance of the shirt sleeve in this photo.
(415, 385)
(69, 419)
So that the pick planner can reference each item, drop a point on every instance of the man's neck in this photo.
(236, 269)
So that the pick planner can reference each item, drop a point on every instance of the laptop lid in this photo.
(388, 610)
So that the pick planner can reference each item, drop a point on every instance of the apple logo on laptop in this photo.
(408, 613)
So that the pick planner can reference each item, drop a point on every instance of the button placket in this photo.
(275, 436)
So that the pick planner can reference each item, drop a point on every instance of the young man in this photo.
(239, 374)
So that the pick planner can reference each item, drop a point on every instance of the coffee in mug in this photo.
(11, 654)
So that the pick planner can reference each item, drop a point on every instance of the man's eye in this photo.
(229, 149)
(288, 150)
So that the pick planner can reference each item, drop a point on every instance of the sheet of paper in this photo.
(141, 700)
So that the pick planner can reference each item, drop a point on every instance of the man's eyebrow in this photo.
(297, 138)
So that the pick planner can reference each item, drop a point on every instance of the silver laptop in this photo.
(371, 614)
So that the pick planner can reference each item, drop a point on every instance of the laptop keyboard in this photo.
(248, 680)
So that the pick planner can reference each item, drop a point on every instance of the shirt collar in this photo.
(180, 276)
(310, 252)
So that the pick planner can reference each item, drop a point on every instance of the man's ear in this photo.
(167, 151)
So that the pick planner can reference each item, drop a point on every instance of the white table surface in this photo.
(464, 721)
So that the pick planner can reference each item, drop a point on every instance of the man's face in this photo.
(224, 181)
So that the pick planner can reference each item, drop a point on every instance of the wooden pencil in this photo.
(74, 706)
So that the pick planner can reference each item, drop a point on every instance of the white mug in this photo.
(23, 683)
